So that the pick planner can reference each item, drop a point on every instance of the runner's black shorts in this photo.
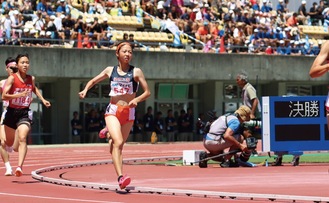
(14, 117)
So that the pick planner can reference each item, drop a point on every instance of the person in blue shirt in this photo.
(63, 8)
(266, 8)
(278, 34)
(281, 50)
(44, 8)
(256, 7)
(295, 50)
(317, 48)
(254, 36)
(280, 8)
(6, 6)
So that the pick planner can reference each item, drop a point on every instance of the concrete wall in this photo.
(50, 63)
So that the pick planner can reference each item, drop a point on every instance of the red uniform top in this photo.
(19, 86)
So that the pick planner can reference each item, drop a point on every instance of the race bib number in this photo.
(22, 101)
(121, 88)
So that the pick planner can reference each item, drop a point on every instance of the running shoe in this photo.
(18, 172)
(103, 132)
(124, 181)
(9, 172)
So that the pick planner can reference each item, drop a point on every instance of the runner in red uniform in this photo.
(18, 91)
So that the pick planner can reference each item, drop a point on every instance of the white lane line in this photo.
(55, 198)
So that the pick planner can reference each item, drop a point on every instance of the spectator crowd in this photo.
(232, 26)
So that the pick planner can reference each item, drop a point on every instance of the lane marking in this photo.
(55, 198)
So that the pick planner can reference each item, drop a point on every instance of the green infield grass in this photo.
(305, 158)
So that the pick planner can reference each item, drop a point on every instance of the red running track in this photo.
(304, 180)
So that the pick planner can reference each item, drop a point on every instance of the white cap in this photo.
(303, 2)
(52, 17)
(33, 31)
(26, 30)
(15, 12)
(105, 20)
(256, 30)
(160, 6)
(42, 32)
(48, 33)
(280, 0)
(281, 42)
(264, 1)
(231, 11)
(296, 42)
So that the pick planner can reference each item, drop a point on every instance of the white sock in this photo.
(7, 164)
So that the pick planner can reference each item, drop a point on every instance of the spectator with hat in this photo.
(39, 23)
(79, 27)
(254, 37)
(280, 9)
(6, 22)
(303, 15)
(295, 50)
(17, 23)
(161, 13)
(266, 8)
(281, 49)
(202, 32)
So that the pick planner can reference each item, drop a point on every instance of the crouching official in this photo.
(227, 132)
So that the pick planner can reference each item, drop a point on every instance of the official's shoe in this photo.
(295, 161)
(124, 182)
(277, 162)
(229, 164)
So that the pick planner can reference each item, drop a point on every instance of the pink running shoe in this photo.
(18, 172)
(103, 132)
(124, 182)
